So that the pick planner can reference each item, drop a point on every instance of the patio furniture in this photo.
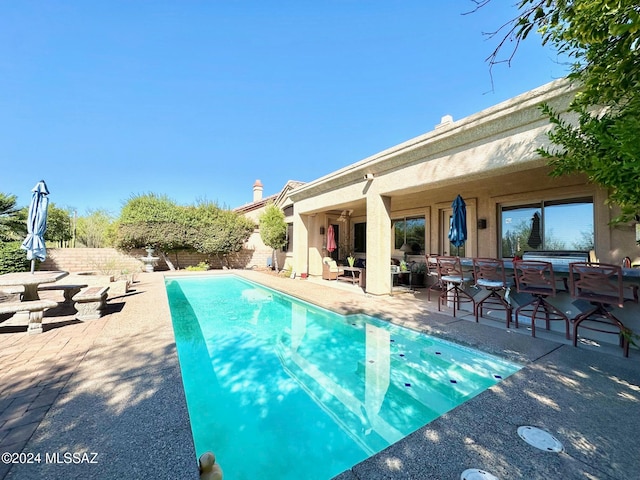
(432, 274)
(489, 274)
(536, 278)
(330, 269)
(601, 285)
(451, 275)
(68, 290)
(560, 259)
(30, 281)
(35, 309)
(91, 302)
(354, 275)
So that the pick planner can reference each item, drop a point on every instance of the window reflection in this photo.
(553, 225)
(411, 230)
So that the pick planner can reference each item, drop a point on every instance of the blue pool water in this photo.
(282, 389)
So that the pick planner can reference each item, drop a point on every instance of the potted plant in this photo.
(351, 260)
(418, 271)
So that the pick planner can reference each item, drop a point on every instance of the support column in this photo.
(300, 243)
(378, 244)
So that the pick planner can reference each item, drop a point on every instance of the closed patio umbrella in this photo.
(37, 224)
(535, 240)
(458, 227)
(331, 239)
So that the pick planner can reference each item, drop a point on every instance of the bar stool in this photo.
(536, 278)
(453, 278)
(489, 274)
(432, 272)
(601, 285)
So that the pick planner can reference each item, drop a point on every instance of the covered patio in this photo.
(489, 158)
(397, 205)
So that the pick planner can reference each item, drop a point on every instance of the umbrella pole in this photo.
(33, 265)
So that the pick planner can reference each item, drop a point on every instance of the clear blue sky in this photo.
(197, 99)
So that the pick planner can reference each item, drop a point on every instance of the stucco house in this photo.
(403, 195)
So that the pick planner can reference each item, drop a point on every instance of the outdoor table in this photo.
(397, 272)
(30, 281)
(353, 275)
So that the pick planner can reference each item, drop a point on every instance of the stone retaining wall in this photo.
(106, 261)
(109, 261)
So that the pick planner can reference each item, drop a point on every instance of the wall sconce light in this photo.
(368, 177)
(321, 230)
(482, 223)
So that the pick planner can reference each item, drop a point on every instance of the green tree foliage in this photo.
(13, 220)
(152, 220)
(273, 229)
(12, 258)
(605, 148)
(220, 232)
(95, 229)
(58, 225)
(602, 40)
(155, 220)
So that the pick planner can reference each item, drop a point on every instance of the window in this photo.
(360, 237)
(410, 231)
(547, 225)
(289, 245)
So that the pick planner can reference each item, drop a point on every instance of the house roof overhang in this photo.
(498, 122)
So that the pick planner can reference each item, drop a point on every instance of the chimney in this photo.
(257, 191)
(445, 121)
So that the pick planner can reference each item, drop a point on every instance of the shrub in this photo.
(13, 258)
(201, 267)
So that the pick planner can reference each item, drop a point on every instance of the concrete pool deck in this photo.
(113, 387)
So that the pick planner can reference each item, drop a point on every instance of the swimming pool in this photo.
(282, 389)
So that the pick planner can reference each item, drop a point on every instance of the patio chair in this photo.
(330, 269)
(536, 278)
(453, 278)
(601, 285)
(432, 274)
(489, 274)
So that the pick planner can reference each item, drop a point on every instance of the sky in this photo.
(195, 100)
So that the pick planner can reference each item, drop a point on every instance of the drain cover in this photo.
(476, 474)
(539, 438)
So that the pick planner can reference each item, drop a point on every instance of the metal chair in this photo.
(536, 278)
(453, 278)
(432, 272)
(489, 274)
(601, 285)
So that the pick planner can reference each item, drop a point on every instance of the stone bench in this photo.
(69, 290)
(12, 290)
(35, 308)
(90, 302)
